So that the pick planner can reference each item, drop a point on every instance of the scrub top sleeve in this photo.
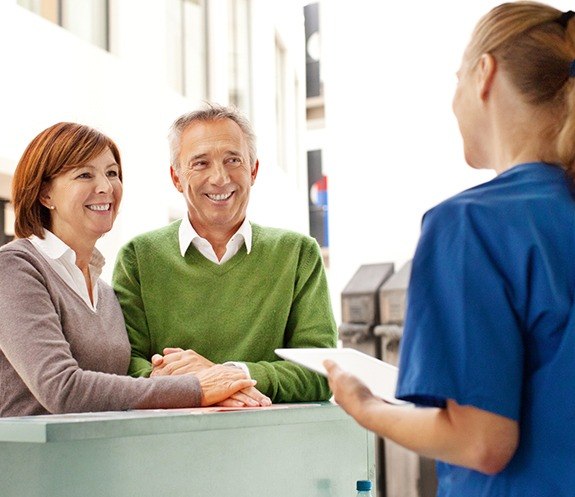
(462, 339)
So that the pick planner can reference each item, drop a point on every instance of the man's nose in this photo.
(219, 175)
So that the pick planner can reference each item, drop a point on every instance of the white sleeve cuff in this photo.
(240, 365)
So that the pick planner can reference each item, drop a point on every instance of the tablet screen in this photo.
(379, 376)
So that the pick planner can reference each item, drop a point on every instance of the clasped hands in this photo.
(223, 385)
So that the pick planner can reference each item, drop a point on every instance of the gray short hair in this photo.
(211, 112)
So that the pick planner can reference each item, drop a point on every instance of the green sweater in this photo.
(274, 297)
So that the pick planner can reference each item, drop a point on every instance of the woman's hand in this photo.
(348, 391)
(178, 361)
(457, 434)
(220, 382)
(248, 397)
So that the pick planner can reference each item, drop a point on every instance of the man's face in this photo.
(215, 176)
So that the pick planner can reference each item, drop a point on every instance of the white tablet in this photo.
(379, 376)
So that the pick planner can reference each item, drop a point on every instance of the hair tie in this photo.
(564, 18)
(572, 69)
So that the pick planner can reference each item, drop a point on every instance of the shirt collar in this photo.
(187, 233)
(56, 249)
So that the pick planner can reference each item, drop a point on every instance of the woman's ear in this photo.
(486, 70)
(45, 198)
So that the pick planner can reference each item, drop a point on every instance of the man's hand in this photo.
(177, 361)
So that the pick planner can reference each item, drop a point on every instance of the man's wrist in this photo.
(240, 365)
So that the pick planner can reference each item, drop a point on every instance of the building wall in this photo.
(50, 75)
(392, 148)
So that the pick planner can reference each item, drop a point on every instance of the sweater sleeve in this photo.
(34, 344)
(310, 324)
(126, 283)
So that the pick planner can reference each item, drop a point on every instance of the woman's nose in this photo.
(104, 185)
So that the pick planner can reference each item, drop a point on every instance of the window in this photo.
(281, 104)
(48, 9)
(6, 221)
(239, 54)
(187, 47)
(88, 19)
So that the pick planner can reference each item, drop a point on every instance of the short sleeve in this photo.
(462, 336)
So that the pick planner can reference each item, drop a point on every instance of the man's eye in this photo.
(199, 165)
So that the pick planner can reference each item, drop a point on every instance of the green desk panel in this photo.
(302, 451)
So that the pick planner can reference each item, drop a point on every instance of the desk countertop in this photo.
(117, 424)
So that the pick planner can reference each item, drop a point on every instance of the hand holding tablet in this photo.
(379, 376)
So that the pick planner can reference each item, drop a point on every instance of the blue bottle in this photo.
(363, 488)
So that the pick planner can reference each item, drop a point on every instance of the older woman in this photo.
(489, 339)
(63, 343)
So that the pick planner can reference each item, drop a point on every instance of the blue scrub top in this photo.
(491, 323)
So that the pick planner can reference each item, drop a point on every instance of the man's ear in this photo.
(176, 179)
(254, 171)
(486, 70)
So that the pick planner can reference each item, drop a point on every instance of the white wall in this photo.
(279, 197)
(392, 146)
(50, 75)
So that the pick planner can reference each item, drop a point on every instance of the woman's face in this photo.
(85, 200)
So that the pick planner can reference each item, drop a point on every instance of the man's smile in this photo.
(219, 197)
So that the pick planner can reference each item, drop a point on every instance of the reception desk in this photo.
(297, 451)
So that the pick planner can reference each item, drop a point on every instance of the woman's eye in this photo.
(83, 175)
(113, 174)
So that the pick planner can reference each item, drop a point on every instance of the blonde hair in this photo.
(535, 45)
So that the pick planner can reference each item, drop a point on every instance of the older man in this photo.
(215, 288)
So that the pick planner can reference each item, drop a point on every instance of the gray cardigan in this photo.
(57, 355)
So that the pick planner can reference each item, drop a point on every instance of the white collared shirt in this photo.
(187, 234)
(63, 260)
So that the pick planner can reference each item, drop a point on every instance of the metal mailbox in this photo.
(359, 297)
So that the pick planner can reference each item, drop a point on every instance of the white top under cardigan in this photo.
(62, 259)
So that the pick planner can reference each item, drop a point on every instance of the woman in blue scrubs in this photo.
(488, 351)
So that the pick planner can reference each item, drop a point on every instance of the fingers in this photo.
(167, 368)
(174, 356)
(180, 367)
(230, 402)
(243, 384)
(159, 363)
(257, 396)
(244, 399)
(252, 397)
(171, 350)
(178, 361)
(330, 366)
(157, 360)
